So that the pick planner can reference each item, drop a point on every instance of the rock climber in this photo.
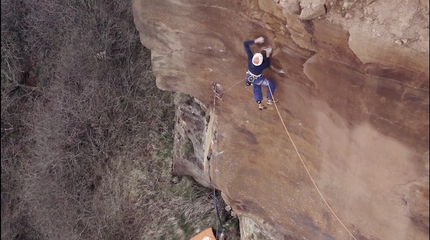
(256, 64)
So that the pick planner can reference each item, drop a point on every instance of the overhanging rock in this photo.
(355, 102)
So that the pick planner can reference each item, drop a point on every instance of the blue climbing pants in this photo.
(258, 83)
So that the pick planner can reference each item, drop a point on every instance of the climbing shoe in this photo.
(271, 101)
(260, 106)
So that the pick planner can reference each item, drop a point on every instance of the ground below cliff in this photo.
(86, 136)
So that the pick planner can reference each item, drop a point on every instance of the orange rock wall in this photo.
(356, 108)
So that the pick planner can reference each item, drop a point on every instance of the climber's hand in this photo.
(268, 51)
(259, 40)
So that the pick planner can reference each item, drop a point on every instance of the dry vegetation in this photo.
(86, 136)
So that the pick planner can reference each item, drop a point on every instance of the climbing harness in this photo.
(310, 176)
(251, 78)
(254, 75)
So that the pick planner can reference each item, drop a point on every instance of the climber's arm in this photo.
(248, 49)
(266, 63)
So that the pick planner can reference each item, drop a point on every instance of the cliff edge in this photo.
(352, 82)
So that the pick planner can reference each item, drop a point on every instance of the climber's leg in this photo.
(258, 96)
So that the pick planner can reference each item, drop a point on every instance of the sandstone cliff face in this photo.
(352, 79)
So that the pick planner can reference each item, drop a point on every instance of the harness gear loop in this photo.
(251, 78)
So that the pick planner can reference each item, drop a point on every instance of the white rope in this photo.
(220, 96)
(304, 165)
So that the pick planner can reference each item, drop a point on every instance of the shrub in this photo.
(86, 135)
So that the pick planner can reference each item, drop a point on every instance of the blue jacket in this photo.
(254, 69)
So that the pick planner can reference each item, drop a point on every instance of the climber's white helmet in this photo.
(257, 59)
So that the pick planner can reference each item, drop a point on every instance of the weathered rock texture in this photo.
(353, 87)
(191, 129)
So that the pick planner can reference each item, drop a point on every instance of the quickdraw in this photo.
(215, 91)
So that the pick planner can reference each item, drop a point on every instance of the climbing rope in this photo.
(216, 94)
(219, 224)
(220, 96)
(233, 85)
(309, 174)
(218, 235)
